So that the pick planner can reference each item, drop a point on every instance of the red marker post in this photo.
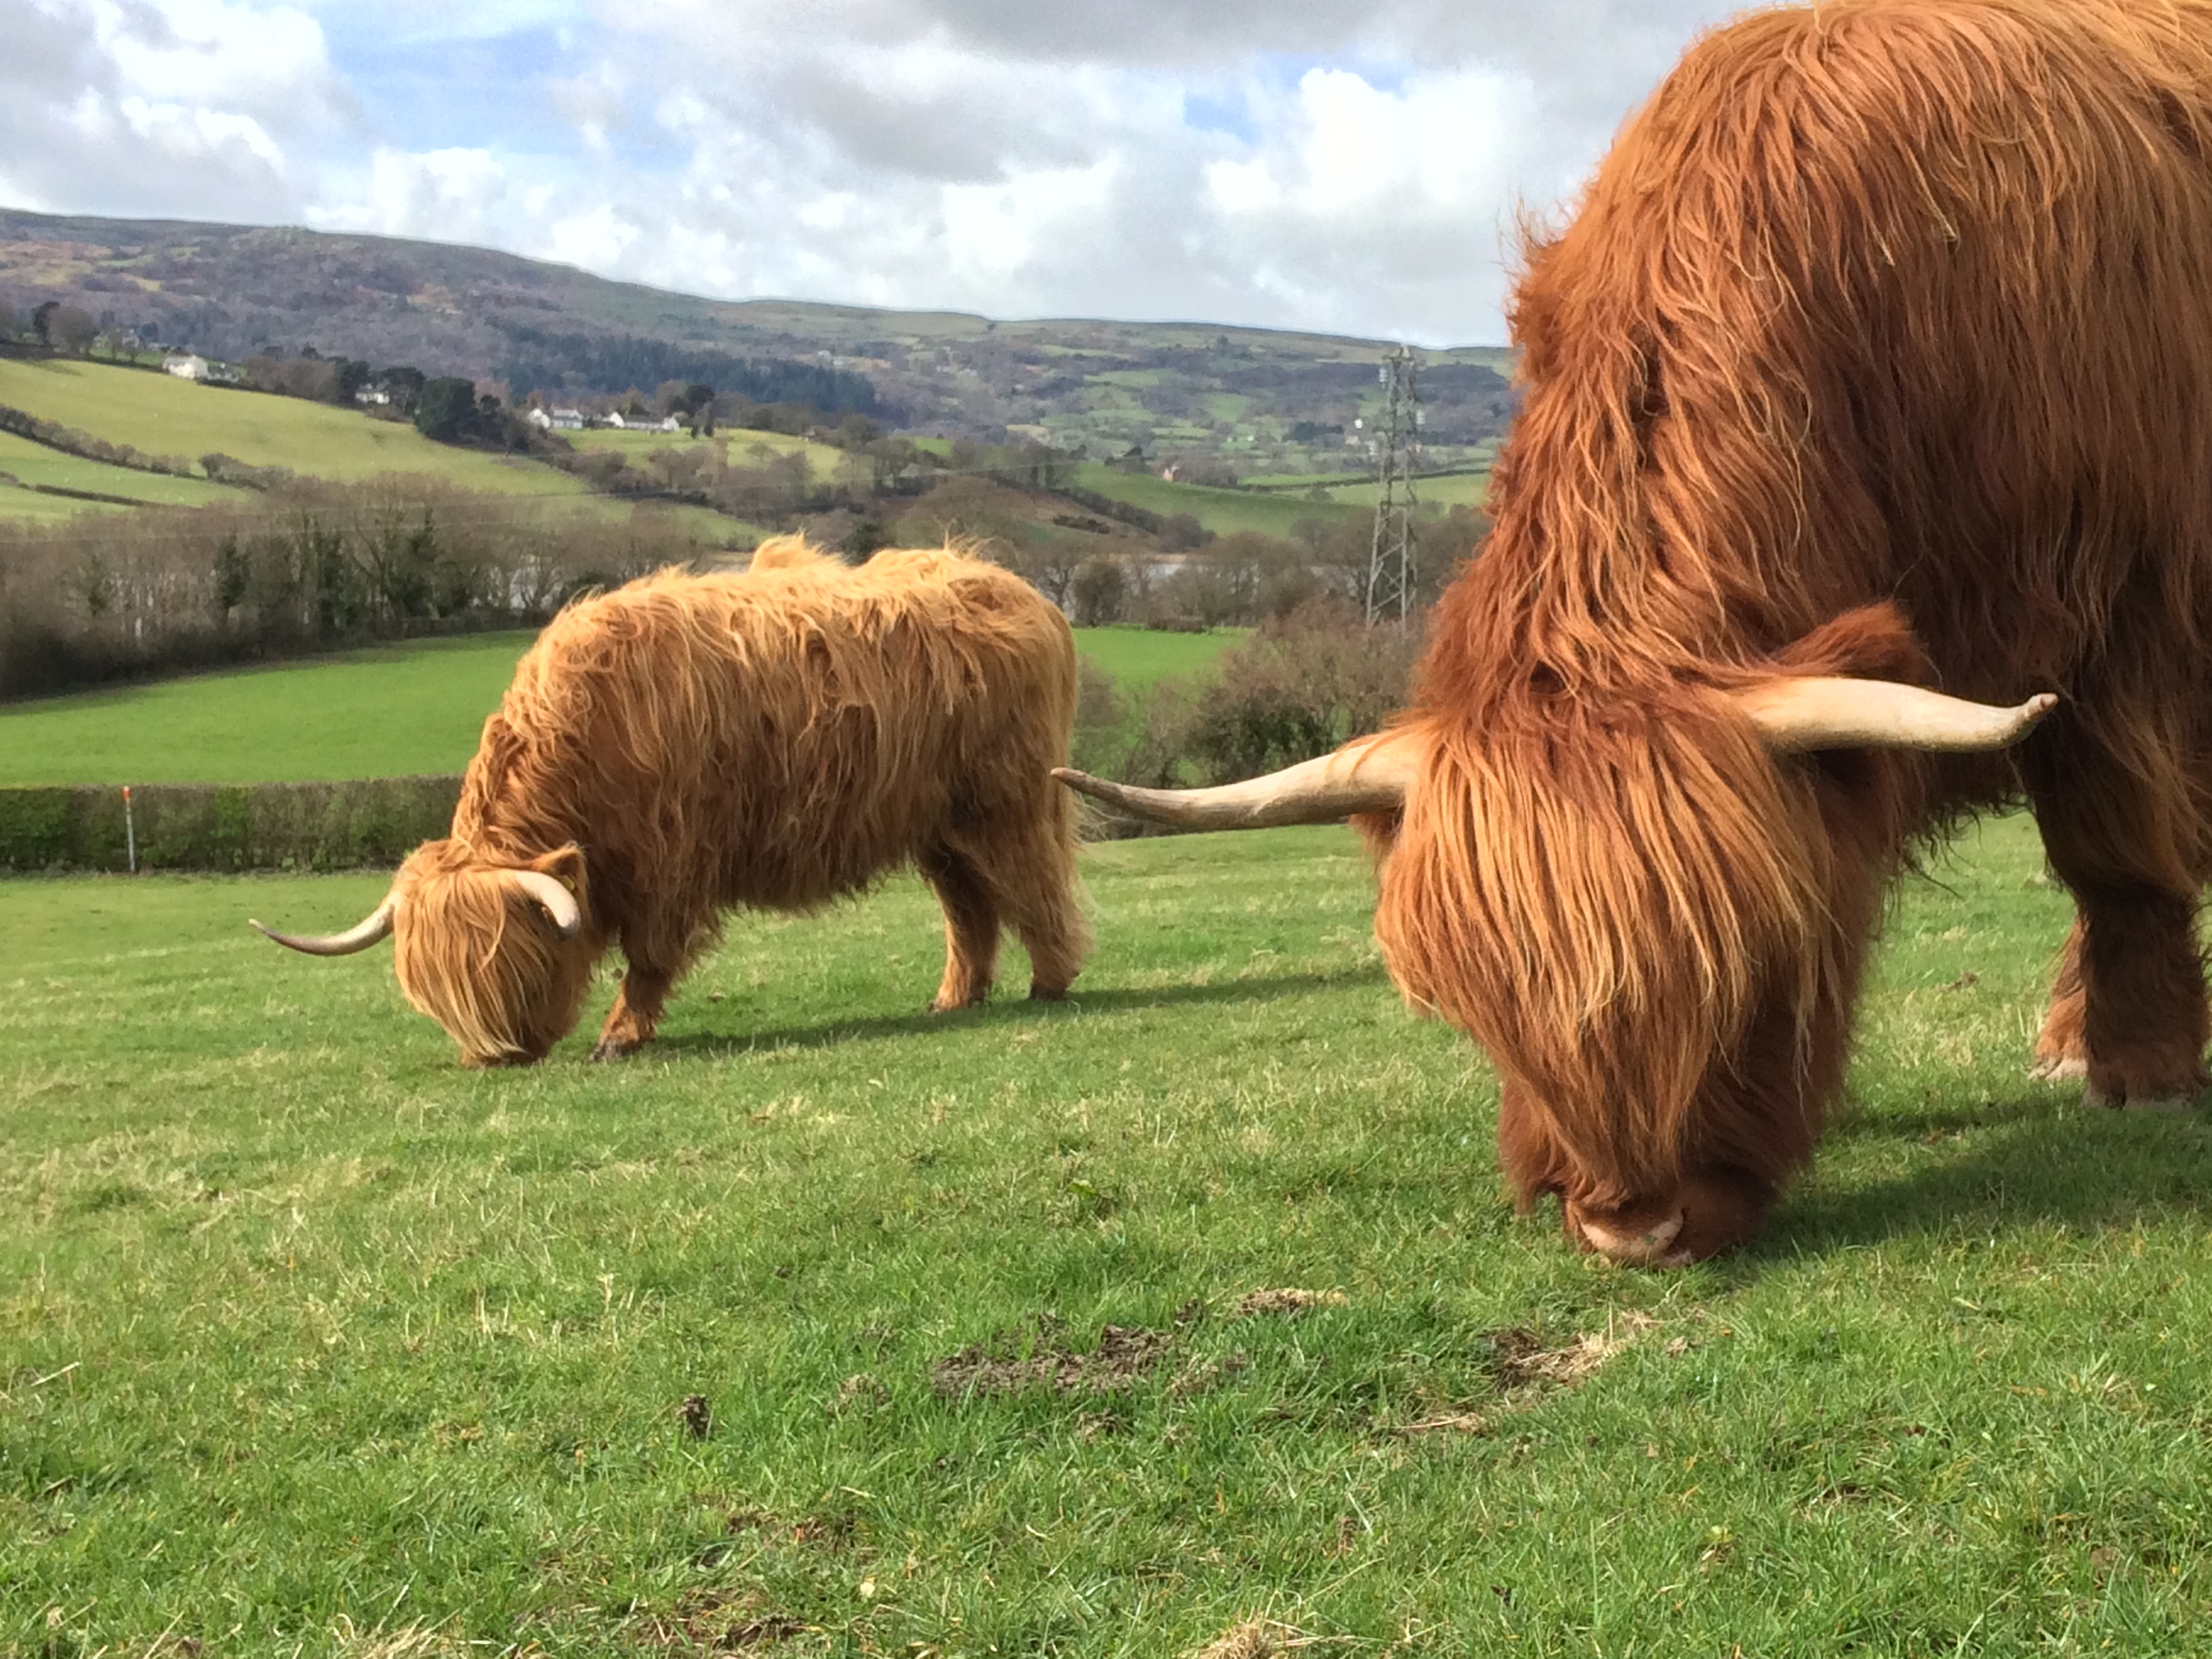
(129, 831)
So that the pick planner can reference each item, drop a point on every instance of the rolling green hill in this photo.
(32, 463)
(1268, 400)
(164, 415)
(161, 415)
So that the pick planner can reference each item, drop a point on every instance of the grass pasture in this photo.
(164, 415)
(35, 508)
(315, 1343)
(741, 444)
(1458, 489)
(387, 712)
(1222, 511)
(30, 463)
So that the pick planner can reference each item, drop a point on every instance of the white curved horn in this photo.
(364, 933)
(560, 904)
(1796, 716)
(1369, 775)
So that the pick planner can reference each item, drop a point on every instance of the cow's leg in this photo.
(636, 1013)
(2143, 1018)
(1031, 878)
(2061, 1047)
(971, 929)
(2128, 1006)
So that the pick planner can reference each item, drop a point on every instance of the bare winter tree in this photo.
(73, 329)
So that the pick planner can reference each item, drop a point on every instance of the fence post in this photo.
(129, 831)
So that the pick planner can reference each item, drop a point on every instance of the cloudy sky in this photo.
(1316, 164)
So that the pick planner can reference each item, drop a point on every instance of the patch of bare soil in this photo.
(1255, 1638)
(1012, 1361)
(1528, 1368)
(714, 1622)
(862, 1391)
(1523, 1360)
(1286, 1302)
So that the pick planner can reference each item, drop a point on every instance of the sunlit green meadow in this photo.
(311, 1341)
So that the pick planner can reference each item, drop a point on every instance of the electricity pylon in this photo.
(1390, 564)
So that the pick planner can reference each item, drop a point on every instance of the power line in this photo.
(1390, 563)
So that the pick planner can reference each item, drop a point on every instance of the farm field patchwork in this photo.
(383, 713)
(32, 463)
(164, 415)
(740, 443)
(1223, 510)
(1460, 489)
(29, 507)
(1095, 1329)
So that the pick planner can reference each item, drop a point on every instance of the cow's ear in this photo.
(565, 865)
(1874, 642)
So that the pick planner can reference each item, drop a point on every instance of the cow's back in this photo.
(781, 737)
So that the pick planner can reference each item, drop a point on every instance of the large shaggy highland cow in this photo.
(776, 739)
(1877, 357)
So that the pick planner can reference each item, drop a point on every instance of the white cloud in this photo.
(596, 239)
(165, 106)
(454, 195)
(1350, 168)
(217, 55)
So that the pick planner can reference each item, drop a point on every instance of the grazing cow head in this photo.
(1640, 921)
(497, 954)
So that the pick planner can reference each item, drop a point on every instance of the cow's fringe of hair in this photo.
(1878, 301)
(777, 739)
(479, 956)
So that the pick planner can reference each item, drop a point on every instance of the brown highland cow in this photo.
(1875, 361)
(776, 739)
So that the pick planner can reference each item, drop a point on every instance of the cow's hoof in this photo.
(941, 1006)
(615, 1048)
(2176, 1105)
(1645, 1249)
(1043, 993)
(2059, 1068)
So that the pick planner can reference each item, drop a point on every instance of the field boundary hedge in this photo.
(375, 823)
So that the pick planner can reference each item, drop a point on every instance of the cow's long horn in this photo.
(1795, 716)
(359, 936)
(1369, 775)
(560, 904)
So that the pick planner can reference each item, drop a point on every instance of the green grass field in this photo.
(1466, 490)
(821, 459)
(35, 464)
(164, 415)
(316, 1343)
(384, 713)
(1223, 510)
(28, 507)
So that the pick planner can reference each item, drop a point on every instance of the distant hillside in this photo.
(1260, 400)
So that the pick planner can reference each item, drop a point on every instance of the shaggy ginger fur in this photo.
(1882, 344)
(776, 739)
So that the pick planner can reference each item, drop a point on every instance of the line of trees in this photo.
(538, 357)
(306, 566)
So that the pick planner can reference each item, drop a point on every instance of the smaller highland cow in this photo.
(777, 739)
